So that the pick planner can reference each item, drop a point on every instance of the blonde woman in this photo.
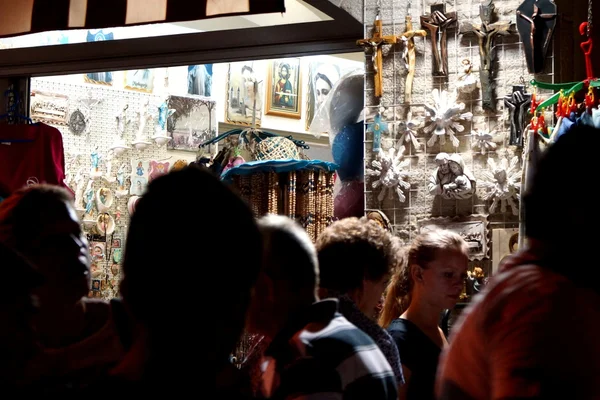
(428, 281)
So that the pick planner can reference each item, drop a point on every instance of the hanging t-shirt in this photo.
(30, 154)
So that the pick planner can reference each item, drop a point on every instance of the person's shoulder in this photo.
(528, 280)
(507, 292)
(399, 329)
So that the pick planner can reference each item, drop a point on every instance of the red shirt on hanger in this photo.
(30, 154)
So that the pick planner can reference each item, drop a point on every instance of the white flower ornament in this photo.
(483, 140)
(390, 171)
(502, 184)
(408, 132)
(443, 116)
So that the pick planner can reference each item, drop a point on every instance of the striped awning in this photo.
(19, 17)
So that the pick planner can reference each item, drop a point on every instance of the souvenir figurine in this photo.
(119, 146)
(391, 173)
(144, 117)
(443, 116)
(164, 112)
(95, 164)
(121, 178)
(467, 81)
(451, 179)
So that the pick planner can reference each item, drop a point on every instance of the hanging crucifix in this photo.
(409, 55)
(438, 23)
(518, 107)
(486, 33)
(375, 44)
(536, 20)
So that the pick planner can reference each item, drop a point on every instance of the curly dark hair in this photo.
(351, 250)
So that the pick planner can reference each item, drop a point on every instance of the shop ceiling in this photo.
(309, 27)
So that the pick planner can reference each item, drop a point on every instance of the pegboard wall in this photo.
(100, 136)
(510, 69)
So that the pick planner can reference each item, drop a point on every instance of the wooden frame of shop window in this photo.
(325, 37)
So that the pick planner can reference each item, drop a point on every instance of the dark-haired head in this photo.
(192, 254)
(40, 222)
(560, 203)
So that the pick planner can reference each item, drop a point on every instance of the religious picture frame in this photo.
(322, 77)
(473, 228)
(193, 122)
(505, 241)
(50, 108)
(200, 80)
(140, 80)
(284, 88)
(243, 104)
(99, 77)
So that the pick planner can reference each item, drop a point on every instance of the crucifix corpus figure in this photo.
(486, 33)
(536, 20)
(409, 56)
(375, 44)
(438, 23)
(518, 104)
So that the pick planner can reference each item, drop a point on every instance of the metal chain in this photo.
(589, 25)
(409, 7)
(378, 9)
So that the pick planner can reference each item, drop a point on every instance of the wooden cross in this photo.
(410, 56)
(438, 22)
(486, 33)
(375, 43)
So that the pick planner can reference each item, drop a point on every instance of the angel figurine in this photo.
(467, 82)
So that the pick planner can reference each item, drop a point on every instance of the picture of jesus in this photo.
(284, 88)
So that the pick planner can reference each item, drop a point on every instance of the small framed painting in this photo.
(102, 77)
(244, 94)
(284, 88)
(193, 122)
(141, 80)
(473, 229)
(200, 80)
